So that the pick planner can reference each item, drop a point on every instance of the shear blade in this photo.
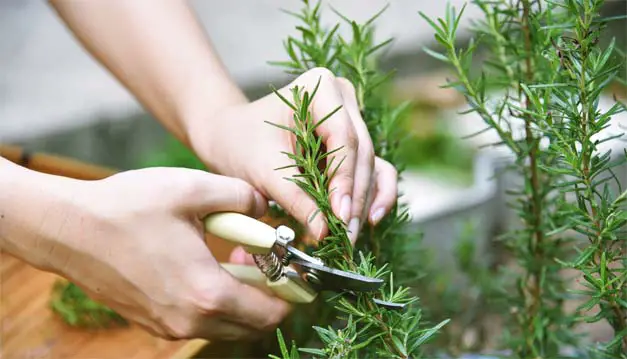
(390, 305)
(337, 280)
(379, 302)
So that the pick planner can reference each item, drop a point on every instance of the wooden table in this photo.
(31, 330)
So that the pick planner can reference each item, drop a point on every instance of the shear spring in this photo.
(270, 265)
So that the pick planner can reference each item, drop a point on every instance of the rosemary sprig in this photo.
(317, 170)
(76, 309)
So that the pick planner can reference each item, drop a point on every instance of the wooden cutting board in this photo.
(31, 330)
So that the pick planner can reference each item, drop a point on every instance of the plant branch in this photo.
(535, 200)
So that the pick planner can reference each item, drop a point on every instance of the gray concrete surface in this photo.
(49, 84)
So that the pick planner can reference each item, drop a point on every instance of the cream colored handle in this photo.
(248, 274)
(284, 288)
(256, 236)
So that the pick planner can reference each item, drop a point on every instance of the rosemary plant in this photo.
(546, 58)
(368, 330)
(76, 309)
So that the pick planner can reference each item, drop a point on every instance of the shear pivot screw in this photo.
(284, 235)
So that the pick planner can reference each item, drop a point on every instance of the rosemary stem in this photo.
(536, 200)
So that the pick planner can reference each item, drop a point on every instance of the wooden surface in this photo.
(54, 165)
(31, 330)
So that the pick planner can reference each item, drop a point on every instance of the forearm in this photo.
(35, 213)
(158, 50)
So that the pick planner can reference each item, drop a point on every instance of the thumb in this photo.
(210, 193)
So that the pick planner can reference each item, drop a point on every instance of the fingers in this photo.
(364, 163)
(338, 132)
(386, 185)
(208, 193)
(220, 296)
(249, 306)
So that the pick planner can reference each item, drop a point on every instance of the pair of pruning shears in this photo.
(288, 272)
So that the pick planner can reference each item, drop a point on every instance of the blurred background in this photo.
(55, 98)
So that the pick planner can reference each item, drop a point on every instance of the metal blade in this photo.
(337, 280)
(296, 253)
(382, 303)
(390, 305)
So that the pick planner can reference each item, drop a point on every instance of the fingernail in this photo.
(345, 208)
(353, 230)
(377, 215)
(319, 233)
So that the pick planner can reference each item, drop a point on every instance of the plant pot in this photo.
(31, 329)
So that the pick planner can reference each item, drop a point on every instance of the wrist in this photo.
(201, 103)
(35, 210)
(206, 130)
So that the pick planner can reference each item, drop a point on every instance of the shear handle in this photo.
(256, 237)
(286, 288)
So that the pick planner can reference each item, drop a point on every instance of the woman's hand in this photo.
(188, 89)
(237, 142)
(135, 242)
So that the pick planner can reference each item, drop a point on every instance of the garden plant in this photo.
(547, 60)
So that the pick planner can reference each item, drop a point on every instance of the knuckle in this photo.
(209, 303)
(320, 72)
(381, 164)
(367, 153)
(245, 196)
(203, 299)
(352, 140)
(385, 170)
(346, 84)
(179, 328)
(297, 202)
(187, 186)
(359, 202)
(273, 320)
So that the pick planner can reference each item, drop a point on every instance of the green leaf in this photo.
(282, 345)
(313, 351)
(436, 55)
(326, 117)
(585, 256)
(399, 346)
(429, 333)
